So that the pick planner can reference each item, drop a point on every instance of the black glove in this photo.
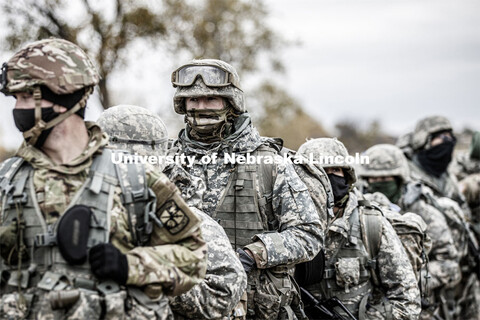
(247, 261)
(107, 262)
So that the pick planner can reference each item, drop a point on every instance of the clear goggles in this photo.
(212, 76)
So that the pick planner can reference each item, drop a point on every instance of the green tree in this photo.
(358, 139)
(232, 30)
(282, 116)
(105, 30)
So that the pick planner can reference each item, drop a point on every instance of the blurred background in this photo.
(363, 71)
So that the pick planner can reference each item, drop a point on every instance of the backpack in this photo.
(313, 176)
(409, 227)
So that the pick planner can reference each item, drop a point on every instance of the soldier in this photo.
(431, 147)
(265, 209)
(80, 236)
(387, 172)
(365, 260)
(468, 163)
(142, 132)
(470, 187)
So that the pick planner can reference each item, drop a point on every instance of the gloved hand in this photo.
(247, 261)
(107, 262)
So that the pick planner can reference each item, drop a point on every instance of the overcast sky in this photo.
(395, 61)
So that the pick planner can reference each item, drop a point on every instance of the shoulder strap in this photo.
(372, 227)
(8, 169)
(371, 224)
(265, 178)
(135, 193)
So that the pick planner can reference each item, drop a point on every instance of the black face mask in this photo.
(436, 159)
(25, 120)
(339, 186)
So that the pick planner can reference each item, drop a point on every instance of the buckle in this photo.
(21, 199)
(45, 240)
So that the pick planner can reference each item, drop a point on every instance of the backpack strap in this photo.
(265, 178)
(371, 224)
(136, 197)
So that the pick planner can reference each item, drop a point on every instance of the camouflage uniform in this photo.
(470, 187)
(446, 185)
(294, 234)
(445, 195)
(465, 163)
(348, 273)
(171, 263)
(443, 268)
(142, 132)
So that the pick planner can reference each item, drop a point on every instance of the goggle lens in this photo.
(211, 76)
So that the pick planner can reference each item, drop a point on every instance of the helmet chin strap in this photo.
(32, 135)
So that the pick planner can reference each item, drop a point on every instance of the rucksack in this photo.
(408, 227)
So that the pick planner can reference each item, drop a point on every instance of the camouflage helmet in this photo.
(58, 64)
(135, 129)
(385, 160)
(426, 127)
(232, 92)
(331, 153)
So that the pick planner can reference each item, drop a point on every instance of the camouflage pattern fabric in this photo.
(385, 160)
(470, 187)
(135, 129)
(58, 64)
(388, 160)
(394, 270)
(329, 147)
(463, 165)
(444, 186)
(233, 93)
(427, 126)
(177, 264)
(87, 306)
(405, 225)
(225, 281)
(443, 264)
(300, 236)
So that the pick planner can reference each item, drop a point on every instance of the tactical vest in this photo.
(46, 268)
(348, 272)
(241, 212)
